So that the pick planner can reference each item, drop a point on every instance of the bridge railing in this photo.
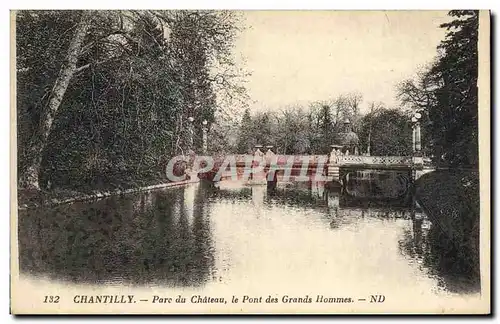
(281, 160)
(374, 160)
(339, 160)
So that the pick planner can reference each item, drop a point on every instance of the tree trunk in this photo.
(39, 141)
(369, 148)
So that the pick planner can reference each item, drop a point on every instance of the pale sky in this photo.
(304, 56)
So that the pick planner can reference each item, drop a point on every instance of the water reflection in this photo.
(376, 183)
(157, 237)
(454, 261)
(203, 233)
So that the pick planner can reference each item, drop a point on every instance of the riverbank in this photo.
(451, 200)
(38, 198)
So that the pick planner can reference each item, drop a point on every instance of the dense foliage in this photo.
(314, 128)
(447, 93)
(105, 98)
(297, 129)
(388, 131)
(139, 77)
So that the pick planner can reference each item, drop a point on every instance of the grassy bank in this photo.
(451, 200)
(36, 198)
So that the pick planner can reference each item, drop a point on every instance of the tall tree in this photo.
(387, 132)
(66, 73)
(326, 127)
(245, 137)
(199, 44)
(447, 93)
(455, 116)
(124, 106)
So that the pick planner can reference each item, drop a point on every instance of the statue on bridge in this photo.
(335, 153)
(348, 141)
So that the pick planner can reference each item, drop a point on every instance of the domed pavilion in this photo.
(348, 139)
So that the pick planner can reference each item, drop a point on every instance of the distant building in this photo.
(348, 139)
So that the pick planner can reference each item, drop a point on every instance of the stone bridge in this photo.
(350, 171)
(269, 167)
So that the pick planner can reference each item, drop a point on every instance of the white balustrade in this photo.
(339, 159)
(374, 160)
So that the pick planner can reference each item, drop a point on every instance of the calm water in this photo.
(240, 234)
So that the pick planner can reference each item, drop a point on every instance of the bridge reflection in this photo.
(377, 184)
(173, 237)
(423, 243)
(318, 194)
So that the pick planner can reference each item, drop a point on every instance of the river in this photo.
(299, 236)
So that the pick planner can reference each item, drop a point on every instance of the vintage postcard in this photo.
(250, 162)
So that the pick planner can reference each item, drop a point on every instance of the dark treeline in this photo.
(104, 97)
(297, 129)
(312, 129)
(447, 95)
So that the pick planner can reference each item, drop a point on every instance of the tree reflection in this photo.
(376, 184)
(333, 203)
(301, 194)
(165, 237)
(453, 260)
(143, 238)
